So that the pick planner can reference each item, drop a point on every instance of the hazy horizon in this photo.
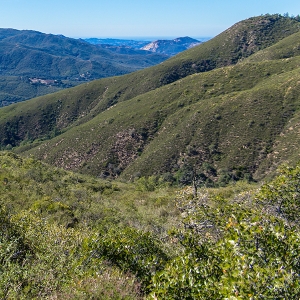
(144, 38)
(135, 18)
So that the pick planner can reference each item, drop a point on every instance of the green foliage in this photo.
(68, 235)
(130, 250)
(40, 259)
(71, 199)
(228, 242)
(282, 195)
(27, 256)
(146, 184)
(151, 183)
(253, 260)
(286, 48)
(232, 251)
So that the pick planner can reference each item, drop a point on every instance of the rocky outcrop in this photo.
(171, 47)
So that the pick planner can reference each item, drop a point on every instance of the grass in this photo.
(55, 217)
(69, 198)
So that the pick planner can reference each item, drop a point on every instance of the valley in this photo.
(59, 62)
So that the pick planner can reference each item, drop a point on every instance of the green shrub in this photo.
(253, 260)
(131, 250)
(281, 196)
(234, 249)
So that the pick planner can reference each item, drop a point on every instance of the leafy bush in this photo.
(228, 243)
(253, 260)
(235, 250)
(282, 195)
(130, 250)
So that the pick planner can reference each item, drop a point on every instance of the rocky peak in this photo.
(171, 47)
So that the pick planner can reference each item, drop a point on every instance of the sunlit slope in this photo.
(34, 63)
(230, 118)
(287, 47)
(46, 116)
(227, 122)
(231, 46)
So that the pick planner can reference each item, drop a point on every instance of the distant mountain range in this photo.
(171, 47)
(33, 63)
(136, 44)
(168, 47)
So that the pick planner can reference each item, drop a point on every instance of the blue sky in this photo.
(135, 18)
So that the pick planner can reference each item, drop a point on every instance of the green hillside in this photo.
(249, 36)
(287, 47)
(234, 44)
(33, 63)
(191, 122)
(224, 124)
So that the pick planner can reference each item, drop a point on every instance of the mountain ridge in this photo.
(32, 54)
(146, 122)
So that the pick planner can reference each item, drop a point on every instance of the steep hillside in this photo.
(237, 42)
(225, 124)
(287, 47)
(83, 103)
(33, 63)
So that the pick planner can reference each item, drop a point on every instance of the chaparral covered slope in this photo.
(210, 108)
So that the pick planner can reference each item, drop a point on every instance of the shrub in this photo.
(131, 250)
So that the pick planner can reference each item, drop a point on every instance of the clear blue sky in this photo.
(135, 18)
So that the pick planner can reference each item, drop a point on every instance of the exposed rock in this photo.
(171, 47)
